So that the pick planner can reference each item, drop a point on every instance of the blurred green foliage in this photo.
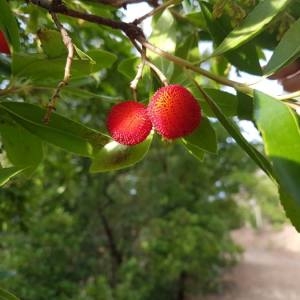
(142, 233)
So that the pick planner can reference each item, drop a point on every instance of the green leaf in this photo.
(253, 24)
(102, 59)
(163, 36)
(164, 32)
(286, 51)
(196, 18)
(246, 58)
(114, 156)
(194, 150)
(204, 137)
(279, 127)
(83, 94)
(23, 149)
(51, 43)
(291, 207)
(227, 102)
(40, 68)
(5, 175)
(127, 67)
(234, 131)
(245, 106)
(62, 132)
(186, 49)
(8, 23)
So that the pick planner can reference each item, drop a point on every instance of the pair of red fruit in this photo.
(172, 111)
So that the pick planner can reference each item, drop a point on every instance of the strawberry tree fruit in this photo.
(174, 112)
(128, 123)
(4, 47)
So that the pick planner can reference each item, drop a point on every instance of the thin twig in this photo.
(67, 73)
(186, 64)
(155, 11)
(139, 74)
(158, 72)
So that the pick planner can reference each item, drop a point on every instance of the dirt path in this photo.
(270, 268)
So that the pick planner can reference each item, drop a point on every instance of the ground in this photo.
(270, 267)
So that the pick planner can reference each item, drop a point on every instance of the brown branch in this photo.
(181, 285)
(115, 254)
(67, 73)
(131, 30)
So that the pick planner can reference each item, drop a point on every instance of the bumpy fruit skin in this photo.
(4, 47)
(174, 112)
(128, 123)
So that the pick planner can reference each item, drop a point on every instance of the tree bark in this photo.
(181, 286)
(115, 254)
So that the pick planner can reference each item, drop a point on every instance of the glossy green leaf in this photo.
(114, 156)
(163, 36)
(245, 106)
(5, 175)
(245, 58)
(23, 149)
(83, 94)
(51, 43)
(204, 137)
(8, 23)
(128, 66)
(164, 32)
(62, 132)
(291, 207)
(287, 49)
(234, 131)
(40, 68)
(256, 21)
(184, 48)
(196, 18)
(102, 59)
(280, 130)
(194, 150)
(187, 49)
(227, 102)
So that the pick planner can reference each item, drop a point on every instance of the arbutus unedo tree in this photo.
(65, 65)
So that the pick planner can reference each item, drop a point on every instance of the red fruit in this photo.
(4, 47)
(128, 123)
(174, 112)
